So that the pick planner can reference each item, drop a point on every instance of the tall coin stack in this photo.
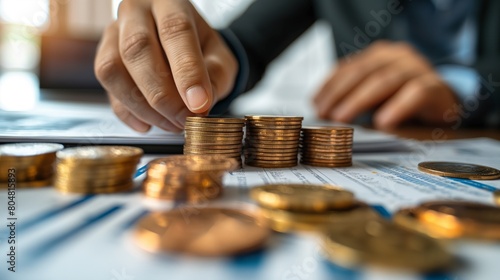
(192, 178)
(326, 146)
(272, 141)
(212, 135)
(96, 169)
(28, 164)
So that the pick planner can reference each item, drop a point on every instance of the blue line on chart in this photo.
(141, 171)
(52, 213)
(59, 239)
(475, 184)
(382, 211)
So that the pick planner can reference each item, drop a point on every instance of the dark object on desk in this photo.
(67, 63)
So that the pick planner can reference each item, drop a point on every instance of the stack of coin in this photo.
(30, 164)
(292, 207)
(381, 243)
(96, 169)
(272, 141)
(191, 178)
(213, 135)
(326, 146)
(209, 232)
(452, 219)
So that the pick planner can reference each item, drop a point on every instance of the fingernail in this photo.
(197, 98)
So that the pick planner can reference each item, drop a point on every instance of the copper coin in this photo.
(209, 119)
(212, 129)
(202, 231)
(274, 118)
(459, 170)
(324, 164)
(261, 164)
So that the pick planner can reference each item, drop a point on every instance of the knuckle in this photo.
(187, 68)
(158, 98)
(106, 70)
(175, 25)
(134, 46)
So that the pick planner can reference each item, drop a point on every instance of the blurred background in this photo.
(50, 44)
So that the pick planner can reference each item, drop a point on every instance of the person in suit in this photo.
(434, 61)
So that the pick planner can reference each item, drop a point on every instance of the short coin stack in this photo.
(191, 178)
(272, 141)
(212, 135)
(326, 146)
(291, 207)
(96, 169)
(30, 164)
(452, 219)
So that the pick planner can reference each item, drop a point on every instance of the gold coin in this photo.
(324, 164)
(216, 120)
(202, 231)
(331, 160)
(328, 156)
(91, 190)
(496, 197)
(190, 130)
(18, 150)
(273, 127)
(271, 142)
(276, 146)
(325, 151)
(380, 243)
(271, 150)
(194, 126)
(274, 138)
(462, 219)
(274, 118)
(266, 164)
(206, 146)
(99, 154)
(459, 170)
(327, 129)
(287, 221)
(27, 184)
(192, 163)
(302, 197)
(205, 134)
(407, 218)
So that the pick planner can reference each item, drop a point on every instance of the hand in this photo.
(161, 62)
(392, 77)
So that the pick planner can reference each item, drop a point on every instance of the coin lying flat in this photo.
(302, 197)
(289, 221)
(202, 231)
(381, 243)
(459, 170)
(407, 218)
(461, 218)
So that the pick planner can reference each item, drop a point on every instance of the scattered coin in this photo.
(461, 219)
(191, 178)
(381, 243)
(208, 232)
(407, 218)
(302, 197)
(96, 169)
(459, 170)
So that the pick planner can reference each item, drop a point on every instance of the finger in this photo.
(114, 77)
(181, 42)
(373, 91)
(350, 74)
(406, 103)
(128, 118)
(221, 65)
(144, 59)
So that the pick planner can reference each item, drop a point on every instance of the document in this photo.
(91, 237)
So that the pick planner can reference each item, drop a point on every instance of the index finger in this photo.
(176, 24)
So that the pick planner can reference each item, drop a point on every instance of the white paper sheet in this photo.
(74, 237)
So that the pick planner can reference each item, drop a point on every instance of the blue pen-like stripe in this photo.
(52, 213)
(58, 240)
(141, 171)
(382, 211)
(475, 184)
